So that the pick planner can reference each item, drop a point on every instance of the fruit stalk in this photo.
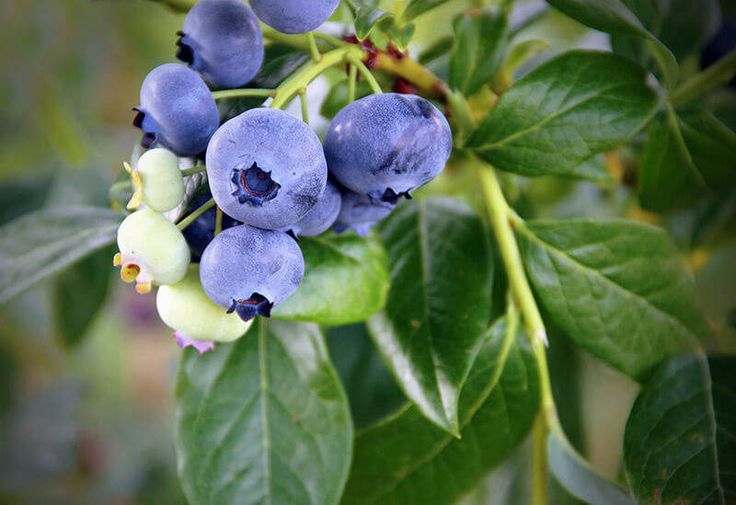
(194, 215)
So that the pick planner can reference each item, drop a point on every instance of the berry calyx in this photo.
(254, 185)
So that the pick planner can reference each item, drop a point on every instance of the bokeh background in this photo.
(86, 411)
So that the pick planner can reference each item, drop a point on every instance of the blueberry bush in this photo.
(383, 291)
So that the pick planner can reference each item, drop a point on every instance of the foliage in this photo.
(266, 419)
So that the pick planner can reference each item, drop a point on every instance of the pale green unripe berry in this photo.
(185, 308)
(158, 181)
(152, 249)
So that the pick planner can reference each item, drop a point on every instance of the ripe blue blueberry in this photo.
(386, 146)
(288, 16)
(202, 230)
(222, 40)
(266, 168)
(248, 270)
(360, 212)
(177, 110)
(322, 216)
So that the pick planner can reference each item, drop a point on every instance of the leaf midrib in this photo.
(628, 294)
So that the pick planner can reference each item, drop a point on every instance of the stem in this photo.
(237, 93)
(540, 465)
(313, 49)
(719, 73)
(502, 217)
(300, 41)
(352, 76)
(372, 82)
(305, 105)
(218, 221)
(194, 170)
(310, 71)
(414, 72)
(194, 215)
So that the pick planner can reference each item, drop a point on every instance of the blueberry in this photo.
(266, 168)
(249, 270)
(202, 230)
(152, 250)
(157, 180)
(360, 212)
(322, 216)
(289, 16)
(177, 110)
(222, 40)
(387, 145)
(185, 308)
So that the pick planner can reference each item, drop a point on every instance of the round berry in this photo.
(360, 212)
(386, 146)
(249, 270)
(322, 216)
(288, 16)
(152, 249)
(222, 40)
(266, 168)
(185, 308)
(202, 230)
(157, 180)
(177, 110)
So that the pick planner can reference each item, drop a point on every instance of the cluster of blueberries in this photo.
(267, 172)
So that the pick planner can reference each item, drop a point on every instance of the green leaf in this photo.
(683, 26)
(419, 7)
(345, 281)
(371, 388)
(683, 158)
(613, 16)
(38, 245)
(480, 45)
(667, 175)
(263, 420)
(576, 476)
(680, 439)
(408, 460)
(712, 146)
(368, 18)
(439, 304)
(564, 112)
(78, 294)
(617, 288)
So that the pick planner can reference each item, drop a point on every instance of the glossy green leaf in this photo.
(439, 304)
(368, 18)
(345, 281)
(371, 388)
(578, 478)
(617, 288)
(680, 439)
(564, 112)
(683, 158)
(683, 26)
(38, 245)
(480, 45)
(263, 420)
(712, 146)
(408, 460)
(613, 16)
(418, 7)
(79, 293)
(667, 175)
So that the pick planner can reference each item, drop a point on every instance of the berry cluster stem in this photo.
(244, 92)
(360, 66)
(195, 214)
(502, 217)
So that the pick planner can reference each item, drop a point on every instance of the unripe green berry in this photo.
(158, 181)
(185, 308)
(152, 249)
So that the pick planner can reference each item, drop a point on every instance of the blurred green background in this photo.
(90, 420)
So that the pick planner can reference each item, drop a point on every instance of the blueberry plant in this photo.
(411, 217)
